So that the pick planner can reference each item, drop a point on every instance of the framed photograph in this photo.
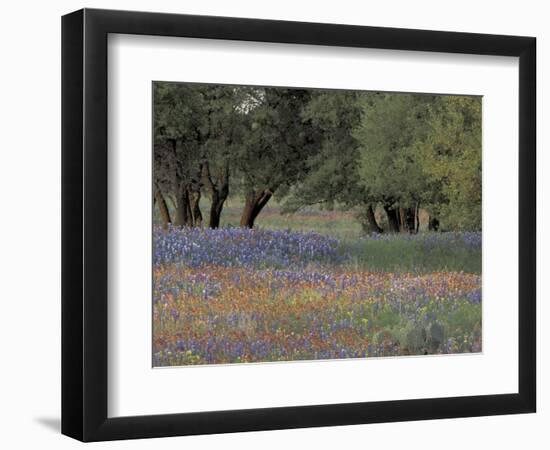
(273, 225)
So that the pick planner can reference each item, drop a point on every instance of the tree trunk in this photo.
(406, 219)
(417, 217)
(393, 218)
(183, 211)
(433, 224)
(410, 220)
(163, 208)
(194, 208)
(218, 192)
(247, 216)
(253, 205)
(401, 216)
(369, 221)
(216, 210)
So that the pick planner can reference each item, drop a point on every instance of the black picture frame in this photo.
(84, 224)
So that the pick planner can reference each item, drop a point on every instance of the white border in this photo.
(135, 388)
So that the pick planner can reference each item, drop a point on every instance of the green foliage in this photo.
(193, 124)
(178, 126)
(451, 158)
(336, 149)
(424, 149)
(332, 176)
(390, 127)
(277, 141)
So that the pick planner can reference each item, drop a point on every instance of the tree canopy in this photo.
(356, 150)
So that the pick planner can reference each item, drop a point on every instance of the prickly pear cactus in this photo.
(382, 336)
(436, 335)
(416, 339)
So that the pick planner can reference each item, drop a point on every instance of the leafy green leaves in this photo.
(331, 148)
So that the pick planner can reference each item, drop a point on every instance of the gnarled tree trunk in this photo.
(433, 224)
(184, 215)
(194, 208)
(218, 193)
(417, 217)
(188, 213)
(216, 211)
(255, 201)
(393, 218)
(406, 219)
(410, 220)
(369, 221)
(183, 212)
(163, 208)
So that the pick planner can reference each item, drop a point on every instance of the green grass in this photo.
(339, 224)
(402, 255)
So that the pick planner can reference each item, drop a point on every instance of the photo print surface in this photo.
(313, 224)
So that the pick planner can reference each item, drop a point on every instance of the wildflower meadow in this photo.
(239, 295)
(298, 223)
